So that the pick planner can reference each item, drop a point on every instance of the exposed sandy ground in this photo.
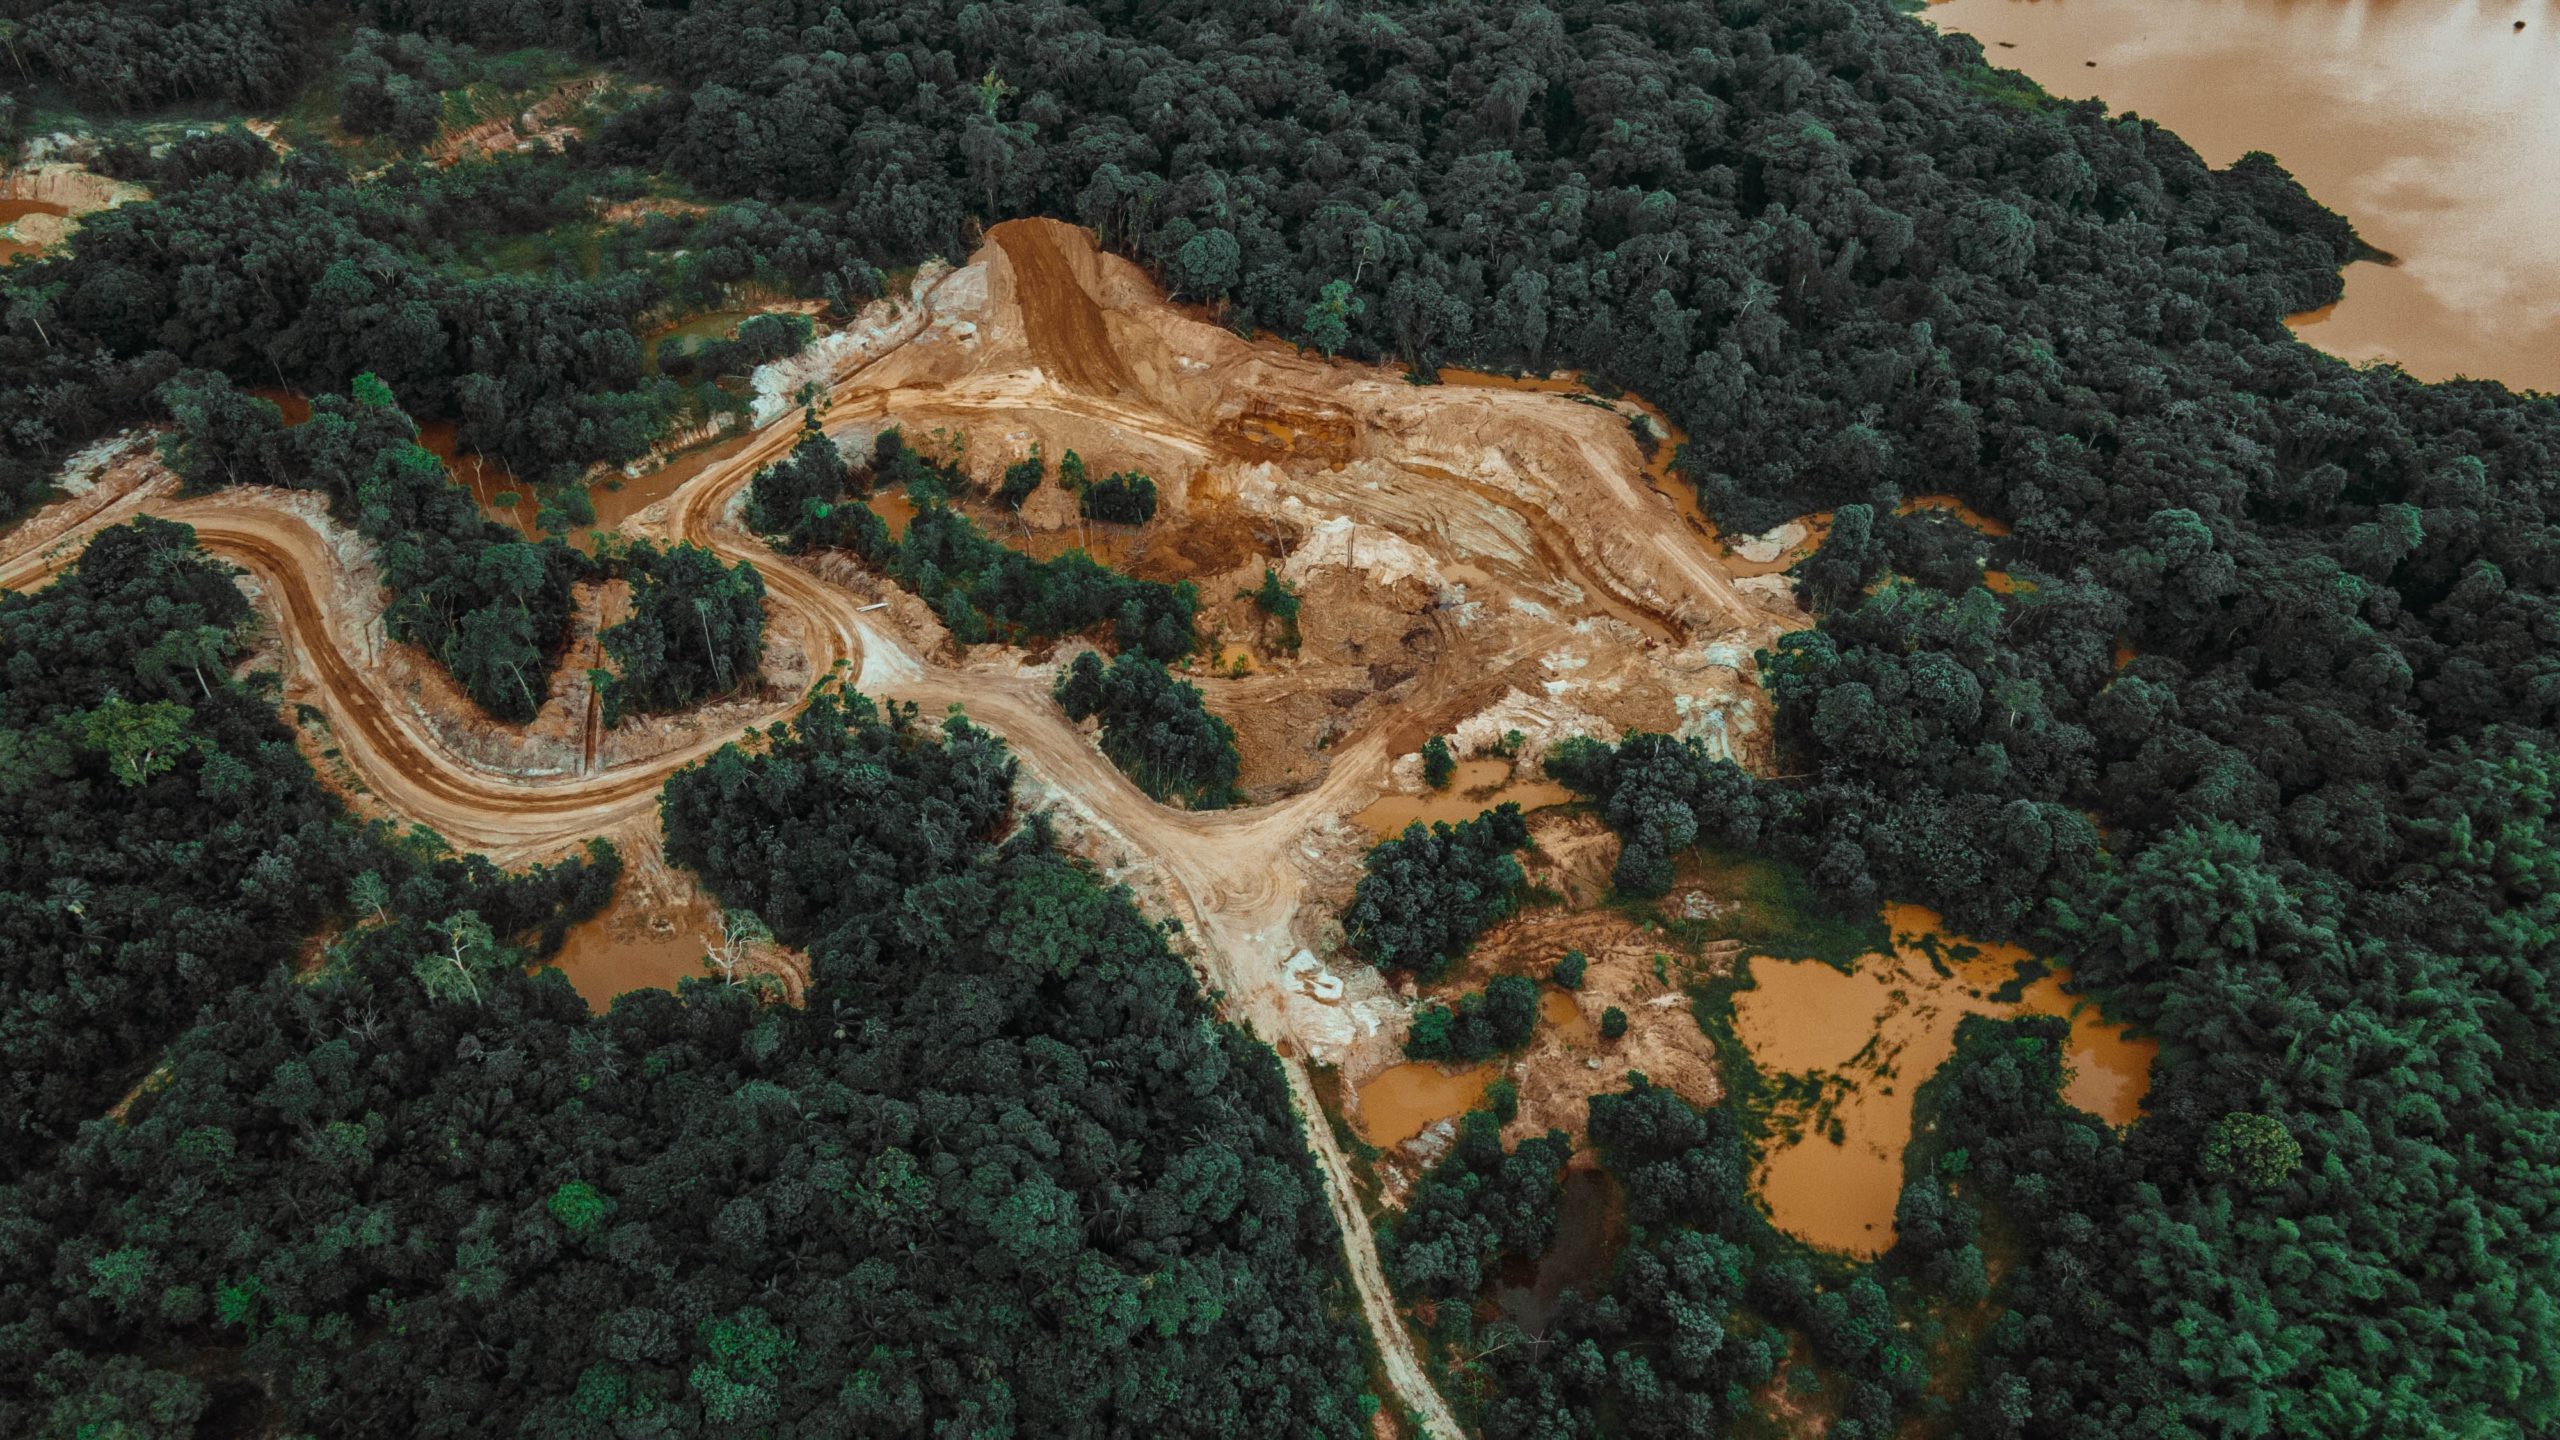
(543, 125)
(1475, 560)
(70, 188)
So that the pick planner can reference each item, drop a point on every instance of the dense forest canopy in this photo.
(1857, 266)
(1005, 1166)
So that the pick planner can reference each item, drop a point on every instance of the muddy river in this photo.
(1874, 1037)
(2427, 124)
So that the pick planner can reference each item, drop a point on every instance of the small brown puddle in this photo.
(622, 949)
(1964, 514)
(1884, 1031)
(894, 507)
(1560, 1011)
(638, 493)
(1478, 786)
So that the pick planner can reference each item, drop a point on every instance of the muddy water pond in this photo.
(622, 949)
(2427, 125)
(1871, 1039)
(1404, 1100)
(16, 208)
(1478, 786)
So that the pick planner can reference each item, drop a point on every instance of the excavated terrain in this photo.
(1475, 558)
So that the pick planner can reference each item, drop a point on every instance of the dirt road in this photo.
(1040, 332)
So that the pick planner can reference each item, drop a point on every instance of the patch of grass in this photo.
(2003, 87)
(1771, 909)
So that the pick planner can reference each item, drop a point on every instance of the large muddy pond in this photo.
(1404, 1100)
(1871, 1039)
(622, 949)
(2430, 125)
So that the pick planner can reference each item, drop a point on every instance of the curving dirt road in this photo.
(1233, 877)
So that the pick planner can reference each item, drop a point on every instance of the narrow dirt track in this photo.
(1232, 876)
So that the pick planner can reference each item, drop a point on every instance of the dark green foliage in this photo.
(393, 85)
(488, 604)
(1671, 1347)
(1006, 1164)
(2254, 1150)
(1125, 498)
(798, 497)
(1569, 970)
(1153, 727)
(165, 841)
(134, 54)
(2309, 1184)
(224, 436)
(1613, 1023)
(307, 279)
(1855, 263)
(1020, 479)
(1437, 763)
(1277, 599)
(129, 900)
(1502, 1016)
(989, 590)
(696, 630)
(1427, 894)
(948, 561)
(1662, 795)
(1475, 1204)
(983, 589)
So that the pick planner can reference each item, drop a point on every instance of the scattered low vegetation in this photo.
(1276, 599)
(982, 589)
(1478, 1204)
